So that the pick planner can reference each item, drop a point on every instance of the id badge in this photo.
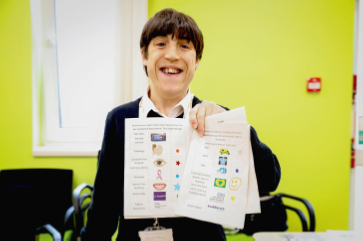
(156, 235)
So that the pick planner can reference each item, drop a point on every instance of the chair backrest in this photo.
(81, 202)
(16, 214)
(49, 193)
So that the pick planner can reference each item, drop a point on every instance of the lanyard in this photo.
(185, 116)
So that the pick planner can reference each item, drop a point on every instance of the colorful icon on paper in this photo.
(159, 162)
(157, 149)
(159, 175)
(221, 195)
(177, 187)
(178, 163)
(216, 207)
(237, 171)
(177, 150)
(360, 133)
(159, 186)
(159, 196)
(158, 137)
(232, 198)
(218, 182)
(224, 151)
(222, 161)
(235, 183)
(222, 170)
(219, 198)
(177, 175)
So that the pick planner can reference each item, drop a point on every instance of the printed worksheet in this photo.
(239, 116)
(156, 150)
(215, 182)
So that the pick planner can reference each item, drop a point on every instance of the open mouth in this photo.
(159, 186)
(171, 71)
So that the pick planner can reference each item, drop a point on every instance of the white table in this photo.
(284, 236)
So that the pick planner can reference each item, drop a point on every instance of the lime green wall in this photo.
(16, 98)
(258, 54)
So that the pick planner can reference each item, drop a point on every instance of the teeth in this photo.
(170, 70)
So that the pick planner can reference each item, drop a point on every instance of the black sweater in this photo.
(106, 209)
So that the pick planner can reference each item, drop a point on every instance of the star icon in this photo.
(237, 170)
(232, 198)
(177, 187)
(178, 163)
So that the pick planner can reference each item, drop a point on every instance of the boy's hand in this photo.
(200, 111)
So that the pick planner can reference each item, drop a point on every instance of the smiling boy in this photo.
(171, 47)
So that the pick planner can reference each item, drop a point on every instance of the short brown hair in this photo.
(170, 21)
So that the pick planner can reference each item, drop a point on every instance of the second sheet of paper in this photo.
(215, 179)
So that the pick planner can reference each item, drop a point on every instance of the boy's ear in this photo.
(197, 64)
(144, 59)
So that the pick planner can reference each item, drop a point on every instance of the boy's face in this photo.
(171, 64)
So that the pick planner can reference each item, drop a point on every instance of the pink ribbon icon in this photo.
(159, 175)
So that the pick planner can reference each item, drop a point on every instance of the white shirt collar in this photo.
(184, 106)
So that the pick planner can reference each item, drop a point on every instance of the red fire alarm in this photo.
(314, 84)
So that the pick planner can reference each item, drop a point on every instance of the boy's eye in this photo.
(184, 46)
(160, 44)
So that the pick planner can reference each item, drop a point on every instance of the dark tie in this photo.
(152, 114)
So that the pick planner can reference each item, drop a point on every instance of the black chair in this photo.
(82, 197)
(273, 216)
(33, 201)
(301, 215)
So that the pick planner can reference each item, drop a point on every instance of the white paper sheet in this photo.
(144, 204)
(215, 182)
(239, 116)
(155, 156)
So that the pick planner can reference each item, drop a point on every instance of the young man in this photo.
(171, 48)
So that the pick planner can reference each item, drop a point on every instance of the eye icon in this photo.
(159, 162)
